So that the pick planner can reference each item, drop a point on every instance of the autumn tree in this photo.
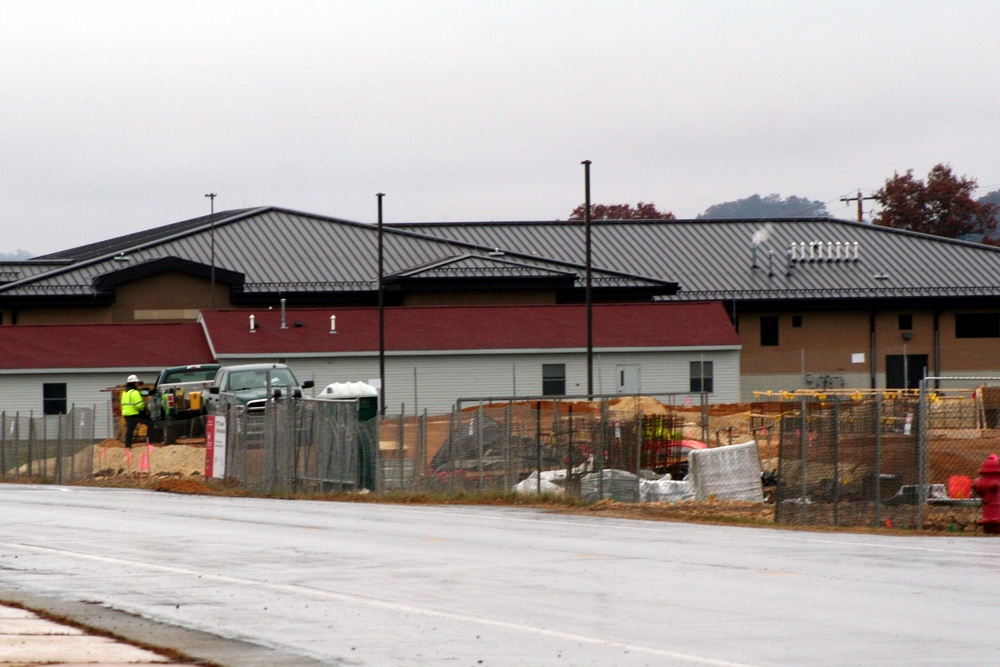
(771, 206)
(943, 206)
(642, 211)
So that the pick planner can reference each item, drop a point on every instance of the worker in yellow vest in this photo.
(134, 409)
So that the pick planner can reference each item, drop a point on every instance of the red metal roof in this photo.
(89, 346)
(442, 328)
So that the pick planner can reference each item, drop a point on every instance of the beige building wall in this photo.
(167, 297)
(835, 348)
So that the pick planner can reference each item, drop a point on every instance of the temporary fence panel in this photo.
(846, 459)
(50, 448)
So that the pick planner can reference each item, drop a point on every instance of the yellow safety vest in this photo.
(132, 402)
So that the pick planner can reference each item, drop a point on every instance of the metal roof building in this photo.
(817, 302)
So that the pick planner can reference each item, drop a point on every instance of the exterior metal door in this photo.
(628, 379)
(900, 374)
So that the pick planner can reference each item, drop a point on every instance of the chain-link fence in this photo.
(601, 448)
(871, 458)
(310, 445)
(50, 448)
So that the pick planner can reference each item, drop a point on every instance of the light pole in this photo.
(381, 315)
(589, 299)
(211, 197)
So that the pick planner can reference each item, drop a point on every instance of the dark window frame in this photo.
(553, 379)
(54, 398)
(769, 331)
(977, 325)
(702, 377)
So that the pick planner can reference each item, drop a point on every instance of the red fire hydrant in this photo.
(987, 486)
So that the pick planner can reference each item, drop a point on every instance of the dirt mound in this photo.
(188, 486)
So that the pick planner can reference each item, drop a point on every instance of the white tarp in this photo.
(530, 485)
(731, 472)
(666, 490)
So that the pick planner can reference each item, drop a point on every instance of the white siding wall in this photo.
(418, 382)
(435, 382)
(21, 394)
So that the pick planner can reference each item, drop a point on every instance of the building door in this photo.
(629, 380)
(900, 374)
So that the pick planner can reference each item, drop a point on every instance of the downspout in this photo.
(937, 348)
(871, 334)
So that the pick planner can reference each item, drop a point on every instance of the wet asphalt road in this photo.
(273, 582)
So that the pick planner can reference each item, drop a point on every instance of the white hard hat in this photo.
(132, 378)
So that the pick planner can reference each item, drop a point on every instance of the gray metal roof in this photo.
(278, 250)
(713, 259)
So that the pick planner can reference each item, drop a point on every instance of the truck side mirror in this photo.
(308, 384)
(276, 393)
(214, 389)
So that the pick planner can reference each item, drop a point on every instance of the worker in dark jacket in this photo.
(134, 409)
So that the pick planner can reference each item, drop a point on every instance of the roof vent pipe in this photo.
(790, 257)
(829, 251)
(770, 262)
(753, 256)
(284, 323)
(333, 324)
(253, 324)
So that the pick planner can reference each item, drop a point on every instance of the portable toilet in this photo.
(367, 397)
(366, 394)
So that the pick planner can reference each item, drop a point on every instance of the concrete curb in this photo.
(196, 646)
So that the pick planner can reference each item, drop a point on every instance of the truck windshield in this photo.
(257, 379)
(189, 375)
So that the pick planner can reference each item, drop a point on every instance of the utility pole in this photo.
(589, 299)
(211, 196)
(381, 315)
(859, 199)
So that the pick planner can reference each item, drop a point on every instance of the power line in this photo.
(859, 198)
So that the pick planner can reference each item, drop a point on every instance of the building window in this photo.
(54, 398)
(977, 325)
(553, 379)
(768, 331)
(905, 322)
(701, 377)
(797, 321)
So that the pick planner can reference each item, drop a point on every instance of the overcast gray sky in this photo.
(119, 116)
